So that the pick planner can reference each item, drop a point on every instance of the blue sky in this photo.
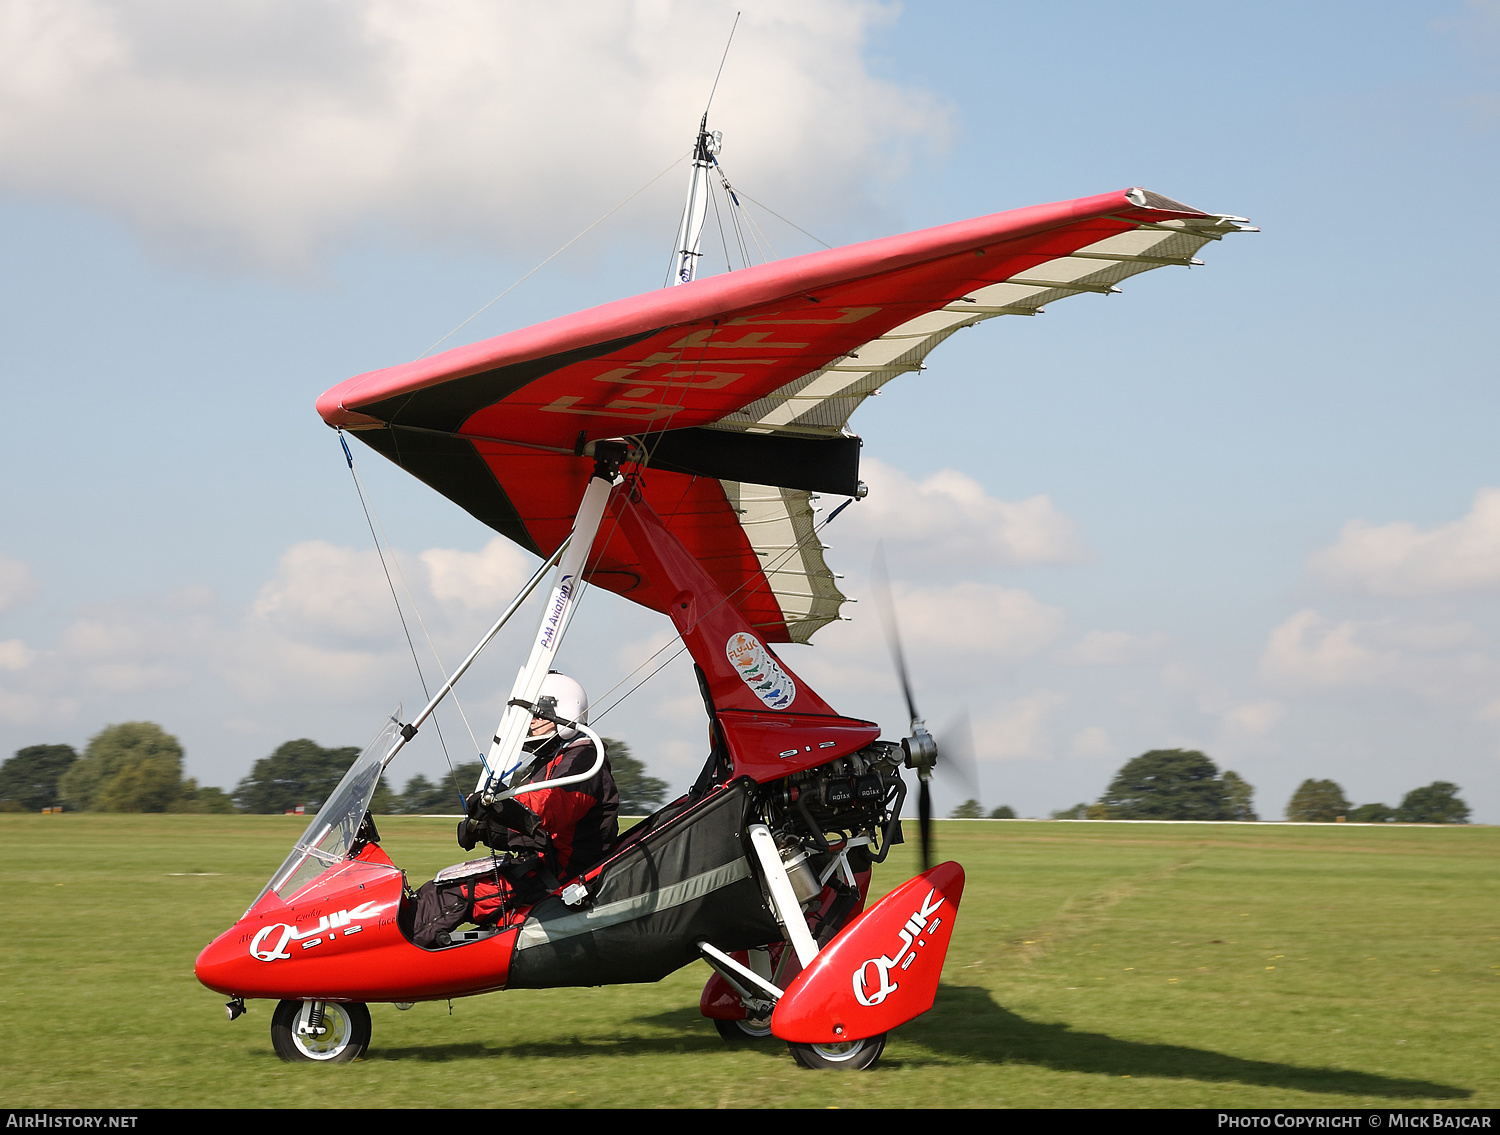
(1263, 480)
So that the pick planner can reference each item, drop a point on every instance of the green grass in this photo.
(1093, 965)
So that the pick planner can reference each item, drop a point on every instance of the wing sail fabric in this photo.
(781, 354)
(819, 404)
(780, 526)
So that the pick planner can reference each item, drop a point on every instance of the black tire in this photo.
(348, 1035)
(849, 1056)
(739, 1032)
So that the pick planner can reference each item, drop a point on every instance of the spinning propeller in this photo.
(921, 748)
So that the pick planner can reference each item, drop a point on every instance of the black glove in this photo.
(493, 824)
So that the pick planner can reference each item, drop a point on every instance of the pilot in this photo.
(552, 835)
(576, 824)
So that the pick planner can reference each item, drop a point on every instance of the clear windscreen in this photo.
(329, 837)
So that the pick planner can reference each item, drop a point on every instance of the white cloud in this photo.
(1112, 648)
(1236, 718)
(1443, 663)
(265, 667)
(260, 130)
(1309, 649)
(322, 628)
(1477, 27)
(127, 648)
(109, 649)
(1001, 625)
(638, 657)
(327, 594)
(320, 636)
(1092, 742)
(485, 580)
(15, 655)
(21, 707)
(1403, 560)
(1255, 717)
(963, 628)
(17, 584)
(1021, 727)
(325, 626)
(949, 523)
(962, 643)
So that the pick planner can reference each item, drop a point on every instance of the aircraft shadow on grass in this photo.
(967, 1023)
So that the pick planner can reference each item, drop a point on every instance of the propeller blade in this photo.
(921, 749)
(881, 580)
(924, 820)
(958, 768)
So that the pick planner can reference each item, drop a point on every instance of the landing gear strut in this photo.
(327, 1032)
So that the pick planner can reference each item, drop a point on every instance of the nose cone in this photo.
(223, 963)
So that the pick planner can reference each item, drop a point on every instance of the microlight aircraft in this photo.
(668, 448)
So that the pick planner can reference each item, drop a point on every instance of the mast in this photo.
(511, 732)
(505, 750)
(695, 212)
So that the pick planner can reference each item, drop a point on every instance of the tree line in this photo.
(137, 767)
(1185, 784)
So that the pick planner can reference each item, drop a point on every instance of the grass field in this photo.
(1093, 965)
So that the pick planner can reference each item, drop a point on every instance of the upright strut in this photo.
(515, 722)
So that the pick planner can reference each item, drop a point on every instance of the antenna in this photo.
(722, 58)
(690, 232)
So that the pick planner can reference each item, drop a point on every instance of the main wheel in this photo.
(347, 1035)
(853, 1055)
(751, 1028)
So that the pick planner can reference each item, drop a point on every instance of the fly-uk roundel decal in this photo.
(765, 677)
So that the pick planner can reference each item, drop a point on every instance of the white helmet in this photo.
(572, 702)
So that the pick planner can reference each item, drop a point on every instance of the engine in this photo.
(859, 794)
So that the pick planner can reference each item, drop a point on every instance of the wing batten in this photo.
(782, 529)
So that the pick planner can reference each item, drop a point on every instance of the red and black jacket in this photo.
(576, 823)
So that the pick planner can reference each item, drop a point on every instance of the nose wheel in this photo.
(325, 1032)
(853, 1055)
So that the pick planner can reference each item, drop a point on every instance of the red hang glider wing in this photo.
(738, 388)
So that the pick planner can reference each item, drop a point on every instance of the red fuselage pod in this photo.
(882, 969)
(338, 940)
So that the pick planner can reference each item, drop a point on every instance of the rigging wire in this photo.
(779, 217)
(734, 218)
(401, 614)
(618, 701)
(728, 267)
(758, 234)
(417, 610)
(555, 255)
(772, 566)
(639, 667)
